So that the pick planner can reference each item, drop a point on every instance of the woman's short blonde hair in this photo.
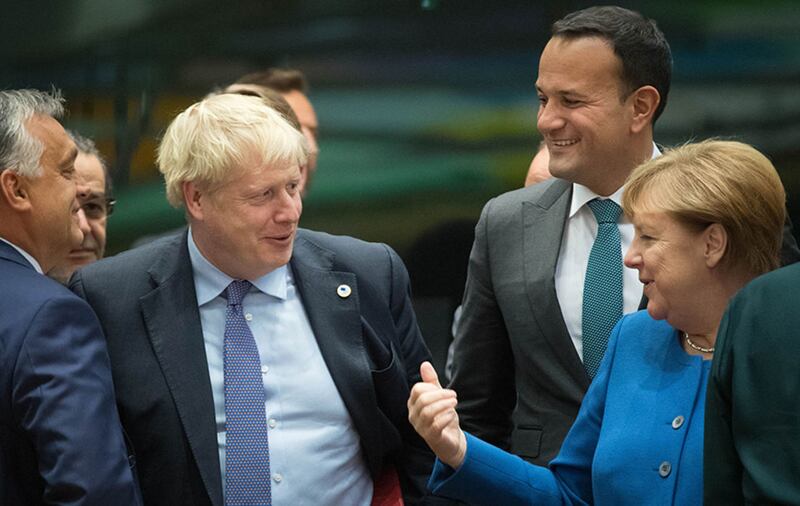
(717, 181)
(218, 136)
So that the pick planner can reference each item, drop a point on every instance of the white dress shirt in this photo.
(314, 449)
(576, 244)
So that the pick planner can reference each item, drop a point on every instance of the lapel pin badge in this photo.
(343, 291)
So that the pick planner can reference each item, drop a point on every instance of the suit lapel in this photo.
(543, 225)
(336, 322)
(173, 325)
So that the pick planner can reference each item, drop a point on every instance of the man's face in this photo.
(91, 183)
(53, 194)
(308, 124)
(246, 226)
(583, 116)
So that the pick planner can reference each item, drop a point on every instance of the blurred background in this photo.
(427, 108)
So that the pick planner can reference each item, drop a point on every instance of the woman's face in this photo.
(671, 260)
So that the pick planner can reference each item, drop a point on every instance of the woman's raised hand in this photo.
(432, 413)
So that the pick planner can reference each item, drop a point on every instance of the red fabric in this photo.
(386, 491)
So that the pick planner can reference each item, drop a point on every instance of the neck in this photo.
(640, 150)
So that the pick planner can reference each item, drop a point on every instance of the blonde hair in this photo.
(219, 135)
(716, 181)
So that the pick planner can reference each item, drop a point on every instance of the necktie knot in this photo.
(236, 291)
(605, 211)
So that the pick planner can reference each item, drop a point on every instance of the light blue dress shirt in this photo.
(315, 452)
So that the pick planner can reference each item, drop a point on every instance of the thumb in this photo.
(428, 374)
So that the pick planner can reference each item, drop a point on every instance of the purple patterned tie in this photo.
(246, 446)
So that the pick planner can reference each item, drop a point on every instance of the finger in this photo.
(428, 374)
(424, 394)
(425, 417)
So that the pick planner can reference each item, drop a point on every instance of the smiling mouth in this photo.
(563, 143)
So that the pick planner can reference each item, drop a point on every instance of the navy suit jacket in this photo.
(145, 299)
(60, 436)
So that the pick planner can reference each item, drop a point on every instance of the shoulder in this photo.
(543, 194)
(337, 243)
(341, 250)
(136, 260)
(775, 288)
(643, 332)
(29, 287)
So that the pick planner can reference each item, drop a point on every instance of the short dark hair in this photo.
(87, 146)
(278, 79)
(636, 40)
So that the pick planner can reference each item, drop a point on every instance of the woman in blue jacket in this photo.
(708, 218)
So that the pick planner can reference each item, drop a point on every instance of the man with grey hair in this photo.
(60, 436)
(94, 195)
(256, 362)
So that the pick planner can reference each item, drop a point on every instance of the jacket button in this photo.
(678, 422)
(664, 469)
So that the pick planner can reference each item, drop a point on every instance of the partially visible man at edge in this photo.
(60, 436)
(522, 360)
(94, 195)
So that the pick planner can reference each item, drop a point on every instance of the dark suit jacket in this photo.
(146, 302)
(60, 437)
(518, 376)
(752, 436)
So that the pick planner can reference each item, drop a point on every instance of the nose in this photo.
(290, 207)
(83, 223)
(549, 118)
(633, 258)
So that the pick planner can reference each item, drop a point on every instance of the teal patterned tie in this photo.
(602, 289)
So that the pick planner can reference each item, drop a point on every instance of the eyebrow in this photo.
(70, 158)
(94, 195)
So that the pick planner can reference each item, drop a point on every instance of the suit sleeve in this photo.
(415, 463)
(483, 363)
(63, 398)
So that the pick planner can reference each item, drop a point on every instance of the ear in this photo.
(194, 199)
(645, 101)
(14, 190)
(716, 244)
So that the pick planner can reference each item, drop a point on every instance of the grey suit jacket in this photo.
(519, 379)
(513, 353)
(145, 300)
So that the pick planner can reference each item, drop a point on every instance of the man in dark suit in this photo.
(333, 339)
(752, 436)
(521, 360)
(60, 436)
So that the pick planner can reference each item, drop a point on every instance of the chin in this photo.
(656, 312)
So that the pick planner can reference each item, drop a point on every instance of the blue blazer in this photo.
(638, 438)
(60, 435)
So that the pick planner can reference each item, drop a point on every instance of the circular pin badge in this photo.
(343, 291)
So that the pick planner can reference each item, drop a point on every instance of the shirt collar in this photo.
(210, 282)
(25, 255)
(581, 194)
